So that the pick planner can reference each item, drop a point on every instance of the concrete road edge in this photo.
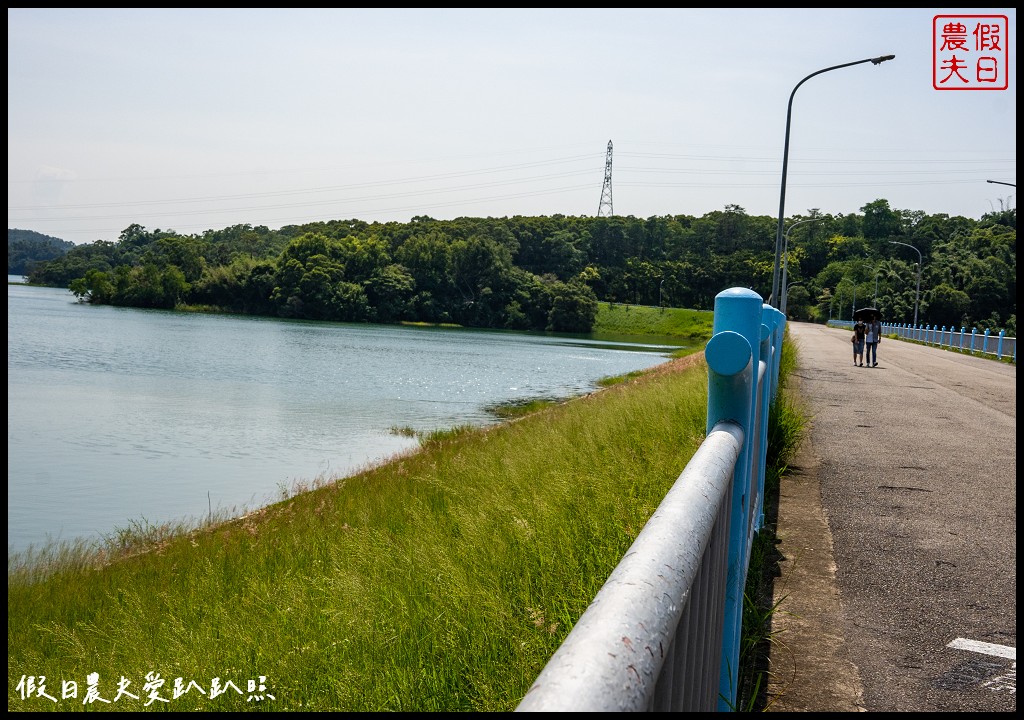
(811, 670)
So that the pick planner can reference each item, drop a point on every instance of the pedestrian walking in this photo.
(858, 338)
(872, 337)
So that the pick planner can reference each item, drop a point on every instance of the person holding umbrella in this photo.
(872, 337)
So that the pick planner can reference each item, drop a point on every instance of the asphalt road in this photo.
(899, 530)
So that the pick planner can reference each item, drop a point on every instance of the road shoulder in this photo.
(810, 666)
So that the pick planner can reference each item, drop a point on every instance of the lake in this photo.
(118, 416)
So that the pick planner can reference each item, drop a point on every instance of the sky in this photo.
(198, 119)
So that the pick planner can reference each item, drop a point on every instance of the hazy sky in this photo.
(196, 119)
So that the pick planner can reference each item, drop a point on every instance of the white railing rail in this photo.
(664, 631)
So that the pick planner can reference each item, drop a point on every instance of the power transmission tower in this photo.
(606, 189)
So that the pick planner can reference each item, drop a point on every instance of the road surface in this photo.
(898, 525)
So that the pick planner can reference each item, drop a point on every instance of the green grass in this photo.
(442, 580)
(787, 426)
(616, 379)
(527, 406)
(617, 319)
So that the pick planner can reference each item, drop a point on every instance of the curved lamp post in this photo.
(997, 182)
(785, 293)
(785, 262)
(920, 261)
(776, 300)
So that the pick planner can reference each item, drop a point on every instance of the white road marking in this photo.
(985, 648)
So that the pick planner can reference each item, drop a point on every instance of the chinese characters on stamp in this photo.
(970, 52)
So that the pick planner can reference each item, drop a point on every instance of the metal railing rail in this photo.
(987, 343)
(664, 631)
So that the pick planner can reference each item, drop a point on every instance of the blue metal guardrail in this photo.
(988, 343)
(663, 632)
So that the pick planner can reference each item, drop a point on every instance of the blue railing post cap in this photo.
(727, 353)
(738, 292)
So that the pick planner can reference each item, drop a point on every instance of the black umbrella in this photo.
(865, 313)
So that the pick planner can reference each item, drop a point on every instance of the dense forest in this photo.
(549, 273)
(27, 248)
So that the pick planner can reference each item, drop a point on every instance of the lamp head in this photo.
(882, 59)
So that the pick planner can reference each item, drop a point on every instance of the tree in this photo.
(948, 306)
(988, 297)
(27, 248)
(798, 302)
(389, 292)
(557, 253)
(149, 286)
(427, 257)
(187, 253)
(95, 287)
(573, 308)
(880, 222)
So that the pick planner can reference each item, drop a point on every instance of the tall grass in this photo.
(441, 581)
(787, 423)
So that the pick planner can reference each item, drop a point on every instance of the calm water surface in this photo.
(119, 415)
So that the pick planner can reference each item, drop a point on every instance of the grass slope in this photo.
(440, 581)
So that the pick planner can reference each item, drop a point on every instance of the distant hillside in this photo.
(26, 248)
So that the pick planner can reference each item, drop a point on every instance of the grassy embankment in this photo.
(442, 580)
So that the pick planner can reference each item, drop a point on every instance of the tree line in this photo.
(549, 273)
(26, 249)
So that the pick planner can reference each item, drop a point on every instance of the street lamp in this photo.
(920, 261)
(785, 262)
(776, 300)
(875, 301)
(785, 293)
(997, 182)
(661, 289)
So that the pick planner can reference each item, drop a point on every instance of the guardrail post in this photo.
(773, 329)
(984, 347)
(974, 334)
(963, 331)
(738, 314)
